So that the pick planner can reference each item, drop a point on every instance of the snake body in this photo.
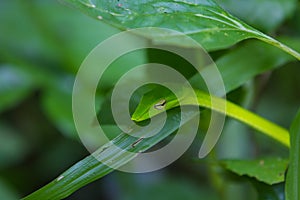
(167, 100)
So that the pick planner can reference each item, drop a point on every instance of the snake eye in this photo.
(160, 105)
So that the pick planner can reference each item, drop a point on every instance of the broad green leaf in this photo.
(203, 20)
(292, 181)
(90, 169)
(267, 170)
(254, 12)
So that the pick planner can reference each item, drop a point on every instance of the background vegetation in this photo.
(42, 44)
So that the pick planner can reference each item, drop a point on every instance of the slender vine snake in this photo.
(165, 100)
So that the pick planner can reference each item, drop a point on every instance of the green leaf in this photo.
(90, 169)
(267, 170)
(292, 181)
(203, 20)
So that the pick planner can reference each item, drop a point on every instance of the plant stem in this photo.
(265, 38)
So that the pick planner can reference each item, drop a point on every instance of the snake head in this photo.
(154, 102)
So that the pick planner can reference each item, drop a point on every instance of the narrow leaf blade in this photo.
(90, 168)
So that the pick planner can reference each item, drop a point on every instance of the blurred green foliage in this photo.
(42, 44)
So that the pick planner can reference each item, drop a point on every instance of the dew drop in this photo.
(91, 5)
(59, 178)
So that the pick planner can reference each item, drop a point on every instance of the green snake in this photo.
(165, 100)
